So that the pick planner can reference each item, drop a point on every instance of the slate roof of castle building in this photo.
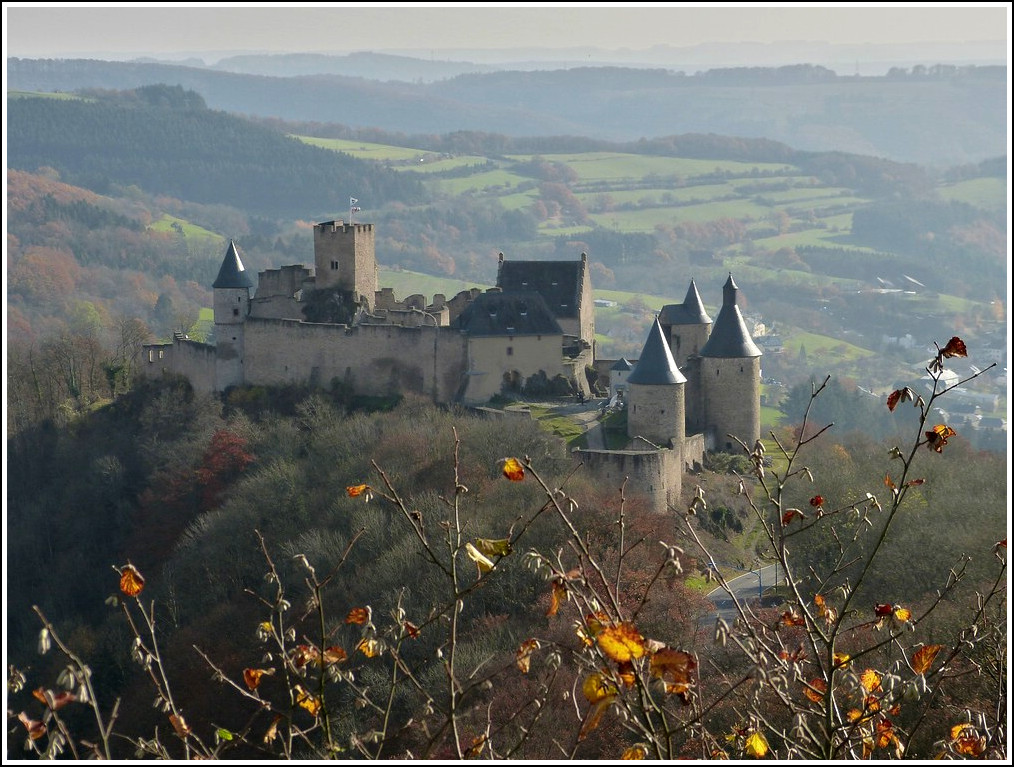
(558, 282)
(690, 312)
(508, 314)
(729, 336)
(622, 364)
(656, 366)
(232, 273)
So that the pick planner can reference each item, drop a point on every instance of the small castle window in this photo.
(161, 353)
(235, 312)
(510, 329)
(510, 351)
(151, 355)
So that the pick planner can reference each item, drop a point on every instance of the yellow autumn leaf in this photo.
(870, 679)
(756, 746)
(635, 752)
(513, 470)
(480, 559)
(355, 491)
(902, 614)
(841, 659)
(557, 596)
(524, 654)
(371, 648)
(333, 654)
(596, 687)
(131, 581)
(307, 700)
(621, 642)
(500, 547)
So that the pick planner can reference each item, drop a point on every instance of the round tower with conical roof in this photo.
(730, 379)
(232, 305)
(655, 394)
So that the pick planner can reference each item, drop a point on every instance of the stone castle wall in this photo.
(375, 359)
(194, 360)
(655, 475)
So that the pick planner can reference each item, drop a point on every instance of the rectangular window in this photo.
(510, 351)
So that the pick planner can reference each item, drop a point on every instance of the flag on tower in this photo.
(352, 201)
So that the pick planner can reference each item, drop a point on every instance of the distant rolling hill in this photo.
(946, 116)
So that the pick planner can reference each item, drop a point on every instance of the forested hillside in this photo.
(166, 143)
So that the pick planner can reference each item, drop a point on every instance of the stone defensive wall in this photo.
(375, 359)
(183, 357)
(655, 475)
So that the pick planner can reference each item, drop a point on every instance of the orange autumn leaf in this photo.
(478, 744)
(817, 501)
(899, 395)
(52, 700)
(675, 668)
(635, 752)
(303, 654)
(355, 491)
(524, 654)
(513, 470)
(180, 725)
(936, 439)
(967, 741)
(557, 595)
(621, 642)
(889, 483)
(252, 676)
(412, 630)
(872, 703)
(870, 679)
(955, 348)
(595, 714)
(883, 610)
(923, 658)
(815, 690)
(915, 482)
(334, 654)
(359, 615)
(841, 659)
(625, 671)
(885, 733)
(307, 700)
(131, 581)
(36, 729)
(371, 648)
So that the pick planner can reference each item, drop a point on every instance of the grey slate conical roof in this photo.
(232, 274)
(729, 336)
(622, 364)
(690, 312)
(656, 366)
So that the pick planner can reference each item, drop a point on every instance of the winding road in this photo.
(746, 588)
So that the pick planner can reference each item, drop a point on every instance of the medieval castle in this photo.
(695, 382)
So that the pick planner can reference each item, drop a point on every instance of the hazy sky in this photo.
(52, 30)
